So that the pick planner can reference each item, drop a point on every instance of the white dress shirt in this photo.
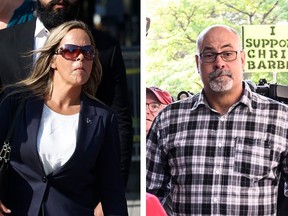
(40, 35)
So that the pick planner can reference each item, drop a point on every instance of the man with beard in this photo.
(17, 41)
(224, 149)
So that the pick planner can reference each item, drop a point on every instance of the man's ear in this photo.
(197, 62)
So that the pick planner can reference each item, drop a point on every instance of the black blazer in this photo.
(16, 41)
(92, 174)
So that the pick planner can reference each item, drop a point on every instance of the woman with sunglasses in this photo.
(65, 155)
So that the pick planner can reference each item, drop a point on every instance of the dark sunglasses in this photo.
(71, 52)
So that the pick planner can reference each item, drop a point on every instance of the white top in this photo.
(40, 35)
(56, 139)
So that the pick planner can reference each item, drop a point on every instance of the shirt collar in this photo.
(40, 30)
(246, 99)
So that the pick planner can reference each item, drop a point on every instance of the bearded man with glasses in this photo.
(222, 151)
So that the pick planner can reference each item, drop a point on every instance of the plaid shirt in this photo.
(219, 165)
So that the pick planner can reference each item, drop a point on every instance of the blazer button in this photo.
(44, 179)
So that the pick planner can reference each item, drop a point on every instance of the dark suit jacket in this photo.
(16, 41)
(92, 174)
(282, 202)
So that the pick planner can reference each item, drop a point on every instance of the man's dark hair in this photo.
(51, 18)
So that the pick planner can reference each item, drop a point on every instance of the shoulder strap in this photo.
(15, 118)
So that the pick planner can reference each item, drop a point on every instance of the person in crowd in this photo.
(156, 100)
(65, 154)
(223, 150)
(15, 12)
(17, 40)
(182, 95)
(153, 206)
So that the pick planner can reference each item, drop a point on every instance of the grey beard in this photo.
(220, 84)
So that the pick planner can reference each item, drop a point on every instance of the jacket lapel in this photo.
(33, 117)
(88, 124)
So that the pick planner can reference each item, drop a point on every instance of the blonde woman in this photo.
(65, 148)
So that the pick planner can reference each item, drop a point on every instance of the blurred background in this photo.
(121, 19)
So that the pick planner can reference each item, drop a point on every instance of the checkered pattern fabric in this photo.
(219, 165)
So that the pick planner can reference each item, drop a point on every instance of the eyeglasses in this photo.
(227, 56)
(153, 107)
(71, 52)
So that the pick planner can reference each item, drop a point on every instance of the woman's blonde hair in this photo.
(40, 80)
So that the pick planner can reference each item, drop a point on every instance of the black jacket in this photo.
(17, 40)
(91, 174)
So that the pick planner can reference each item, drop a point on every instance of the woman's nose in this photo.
(80, 57)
